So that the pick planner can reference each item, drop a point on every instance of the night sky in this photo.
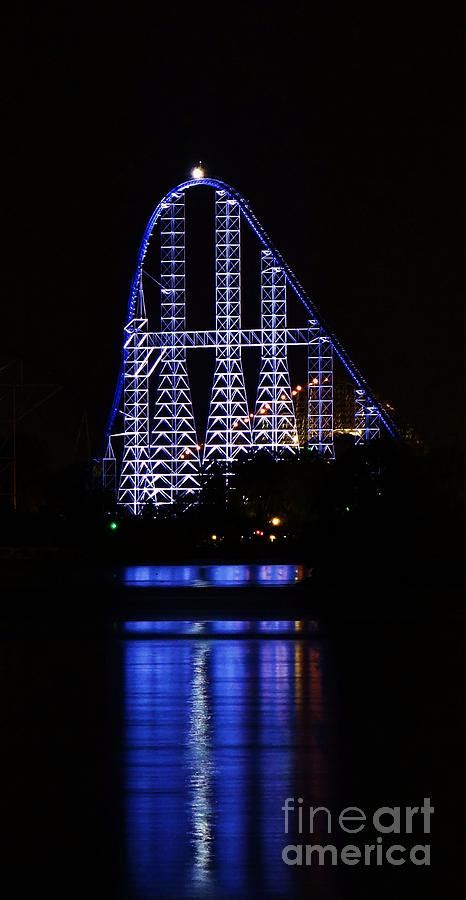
(346, 134)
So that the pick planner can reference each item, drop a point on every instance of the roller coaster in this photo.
(154, 453)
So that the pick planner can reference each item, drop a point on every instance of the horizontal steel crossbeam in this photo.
(248, 337)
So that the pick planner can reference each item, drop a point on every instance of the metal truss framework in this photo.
(366, 418)
(320, 387)
(228, 428)
(274, 427)
(175, 451)
(167, 464)
(136, 468)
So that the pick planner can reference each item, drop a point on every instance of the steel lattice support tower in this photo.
(136, 469)
(228, 428)
(320, 381)
(175, 444)
(274, 427)
(366, 418)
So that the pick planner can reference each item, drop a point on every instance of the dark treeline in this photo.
(379, 513)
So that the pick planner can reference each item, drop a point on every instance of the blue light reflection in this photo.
(216, 734)
(219, 627)
(240, 575)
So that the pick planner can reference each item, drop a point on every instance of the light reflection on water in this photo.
(242, 575)
(219, 627)
(201, 768)
(216, 734)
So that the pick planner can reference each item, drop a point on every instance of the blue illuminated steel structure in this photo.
(320, 388)
(167, 464)
(228, 429)
(274, 427)
(175, 452)
(367, 426)
(135, 488)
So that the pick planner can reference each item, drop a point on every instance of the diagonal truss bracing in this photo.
(228, 428)
(136, 469)
(274, 426)
(175, 450)
(366, 416)
(320, 386)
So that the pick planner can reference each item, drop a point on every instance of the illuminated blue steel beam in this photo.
(228, 428)
(274, 424)
(366, 418)
(136, 469)
(320, 393)
(247, 337)
(291, 278)
(175, 453)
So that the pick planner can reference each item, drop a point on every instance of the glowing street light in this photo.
(276, 521)
(198, 171)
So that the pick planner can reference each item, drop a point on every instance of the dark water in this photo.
(155, 761)
(212, 738)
